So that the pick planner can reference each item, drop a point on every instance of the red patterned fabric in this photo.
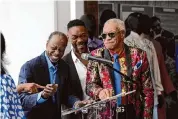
(98, 77)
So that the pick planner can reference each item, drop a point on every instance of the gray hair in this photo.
(120, 24)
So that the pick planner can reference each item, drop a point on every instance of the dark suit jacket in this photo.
(76, 87)
(36, 70)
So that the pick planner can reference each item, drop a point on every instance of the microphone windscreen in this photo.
(84, 56)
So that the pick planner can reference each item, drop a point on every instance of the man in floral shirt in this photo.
(133, 63)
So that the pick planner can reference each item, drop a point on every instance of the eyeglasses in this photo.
(111, 35)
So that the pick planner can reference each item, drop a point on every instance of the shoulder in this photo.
(131, 48)
(5, 76)
(136, 51)
(63, 64)
(167, 34)
(36, 60)
(6, 80)
(33, 62)
(98, 52)
(67, 56)
(130, 40)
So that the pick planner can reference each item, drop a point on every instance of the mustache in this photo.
(82, 43)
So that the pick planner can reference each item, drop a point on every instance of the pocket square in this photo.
(138, 65)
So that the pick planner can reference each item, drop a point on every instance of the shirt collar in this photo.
(121, 55)
(74, 57)
(50, 65)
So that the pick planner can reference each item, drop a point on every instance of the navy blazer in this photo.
(36, 70)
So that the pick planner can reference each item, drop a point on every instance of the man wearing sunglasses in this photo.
(102, 82)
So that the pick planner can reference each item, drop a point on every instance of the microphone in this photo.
(86, 56)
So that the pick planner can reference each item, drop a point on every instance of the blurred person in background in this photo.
(158, 31)
(105, 15)
(138, 38)
(90, 23)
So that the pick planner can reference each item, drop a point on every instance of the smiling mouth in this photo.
(55, 57)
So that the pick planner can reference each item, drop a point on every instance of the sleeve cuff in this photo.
(72, 100)
(40, 99)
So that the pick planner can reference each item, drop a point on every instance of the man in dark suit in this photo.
(158, 31)
(51, 71)
(78, 35)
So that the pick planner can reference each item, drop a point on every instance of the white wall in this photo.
(66, 11)
(79, 8)
(62, 18)
(26, 27)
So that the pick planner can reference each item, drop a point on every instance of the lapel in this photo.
(74, 75)
(72, 67)
(128, 62)
(44, 67)
(60, 82)
(111, 73)
(60, 73)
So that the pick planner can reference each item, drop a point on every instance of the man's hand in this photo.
(49, 90)
(79, 104)
(105, 93)
(29, 87)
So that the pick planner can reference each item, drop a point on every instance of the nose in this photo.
(56, 52)
(79, 39)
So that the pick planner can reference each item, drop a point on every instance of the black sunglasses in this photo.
(111, 35)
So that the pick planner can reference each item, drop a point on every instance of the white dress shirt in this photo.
(82, 73)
